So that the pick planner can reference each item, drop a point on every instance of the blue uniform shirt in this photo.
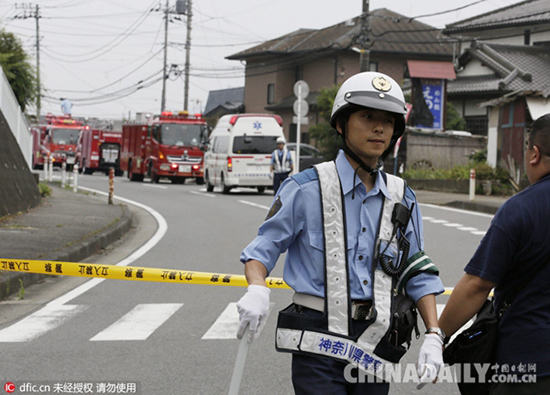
(296, 228)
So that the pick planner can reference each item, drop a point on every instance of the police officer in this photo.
(281, 164)
(346, 253)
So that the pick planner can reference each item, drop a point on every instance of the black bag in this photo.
(475, 345)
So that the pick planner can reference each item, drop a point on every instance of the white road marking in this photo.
(227, 323)
(161, 230)
(451, 225)
(203, 192)
(467, 229)
(438, 221)
(254, 204)
(40, 322)
(479, 233)
(457, 210)
(155, 186)
(139, 323)
(225, 327)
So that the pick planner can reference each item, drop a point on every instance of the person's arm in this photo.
(255, 272)
(428, 312)
(467, 298)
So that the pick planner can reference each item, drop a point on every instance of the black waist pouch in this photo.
(300, 318)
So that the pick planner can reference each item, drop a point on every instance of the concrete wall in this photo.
(18, 187)
(441, 150)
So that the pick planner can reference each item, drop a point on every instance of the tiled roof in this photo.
(388, 32)
(224, 97)
(516, 69)
(528, 12)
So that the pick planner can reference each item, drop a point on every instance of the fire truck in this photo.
(99, 150)
(169, 146)
(57, 137)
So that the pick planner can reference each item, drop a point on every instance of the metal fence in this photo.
(15, 118)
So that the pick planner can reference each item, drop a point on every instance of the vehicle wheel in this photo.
(87, 170)
(199, 180)
(151, 173)
(132, 176)
(118, 173)
(226, 188)
(209, 186)
(261, 189)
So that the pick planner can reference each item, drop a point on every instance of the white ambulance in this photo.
(239, 151)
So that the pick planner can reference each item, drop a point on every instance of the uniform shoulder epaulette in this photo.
(305, 176)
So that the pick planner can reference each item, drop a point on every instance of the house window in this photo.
(270, 93)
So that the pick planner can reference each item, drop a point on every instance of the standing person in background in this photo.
(281, 164)
(516, 246)
(345, 252)
(66, 106)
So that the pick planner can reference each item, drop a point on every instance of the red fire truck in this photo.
(166, 147)
(99, 150)
(58, 138)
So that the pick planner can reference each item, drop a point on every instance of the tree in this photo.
(326, 137)
(19, 72)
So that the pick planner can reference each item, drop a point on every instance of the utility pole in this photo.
(164, 72)
(38, 101)
(187, 56)
(36, 16)
(364, 58)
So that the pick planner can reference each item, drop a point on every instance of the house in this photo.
(503, 75)
(327, 57)
(222, 102)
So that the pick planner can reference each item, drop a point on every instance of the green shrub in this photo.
(45, 190)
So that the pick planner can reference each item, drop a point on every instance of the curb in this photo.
(75, 253)
(473, 206)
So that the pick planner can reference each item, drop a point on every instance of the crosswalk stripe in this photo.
(139, 323)
(226, 325)
(40, 322)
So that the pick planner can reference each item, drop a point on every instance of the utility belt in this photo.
(361, 310)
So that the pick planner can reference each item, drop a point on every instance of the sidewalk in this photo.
(71, 226)
(66, 226)
(481, 203)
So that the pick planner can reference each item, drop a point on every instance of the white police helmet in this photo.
(374, 90)
(281, 140)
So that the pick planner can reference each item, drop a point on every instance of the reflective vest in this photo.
(281, 166)
(363, 351)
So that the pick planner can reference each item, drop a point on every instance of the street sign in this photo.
(303, 87)
(304, 107)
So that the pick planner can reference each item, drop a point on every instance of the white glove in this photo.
(430, 359)
(252, 307)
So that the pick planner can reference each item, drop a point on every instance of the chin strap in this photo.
(362, 165)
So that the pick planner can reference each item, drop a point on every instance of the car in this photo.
(309, 155)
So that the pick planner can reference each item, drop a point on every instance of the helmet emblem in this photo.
(381, 84)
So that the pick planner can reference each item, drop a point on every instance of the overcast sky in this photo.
(98, 52)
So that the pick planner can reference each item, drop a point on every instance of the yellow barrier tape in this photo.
(131, 273)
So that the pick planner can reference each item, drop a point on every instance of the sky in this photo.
(107, 56)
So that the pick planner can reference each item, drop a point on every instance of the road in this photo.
(179, 339)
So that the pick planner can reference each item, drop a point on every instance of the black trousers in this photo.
(278, 179)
